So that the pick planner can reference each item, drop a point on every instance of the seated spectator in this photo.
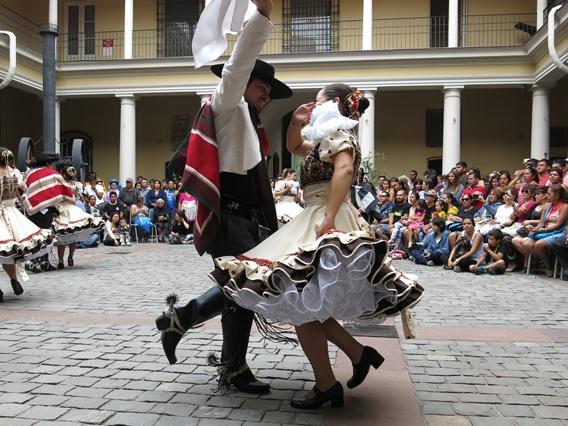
(494, 182)
(529, 175)
(181, 229)
(435, 247)
(466, 211)
(504, 180)
(440, 209)
(128, 194)
(429, 209)
(154, 194)
(415, 220)
(160, 218)
(468, 248)
(453, 185)
(543, 170)
(550, 229)
(489, 209)
(500, 217)
(381, 214)
(555, 176)
(113, 206)
(124, 232)
(560, 250)
(140, 216)
(521, 210)
(188, 204)
(113, 188)
(111, 235)
(493, 260)
(475, 189)
(399, 213)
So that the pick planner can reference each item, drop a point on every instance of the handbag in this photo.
(542, 235)
(523, 231)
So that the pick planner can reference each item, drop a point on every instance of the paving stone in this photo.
(50, 400)
(441, 408)
(446, 421)
(128, 395)
(84, 403)
(133, 419)
(18, 398)
(225, 401)
(493, 421)
(246, 415)
(43, 413)
(308, 419)
(212, 412)
(215, 422)
(560, 413)
(182, 410)
(52, 389)
(472, 409)
(130, 406)
(156, 396)
(176, 421)
(12, 410)
(87, 416)
(261, 404)
(278, 417)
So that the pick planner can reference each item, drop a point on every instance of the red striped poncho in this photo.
(46, 188)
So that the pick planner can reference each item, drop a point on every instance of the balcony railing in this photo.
(27, 32)
(344, 36)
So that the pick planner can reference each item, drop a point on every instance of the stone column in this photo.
(367, 42)
(128, 28)
(540, 7)
(58, 102)
(540, 124)
(452, 128)
(453, 23)
(367, 130)
(127, 160)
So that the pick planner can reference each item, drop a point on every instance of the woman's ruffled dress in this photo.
(286, 208)
(20, 239)
(294, 278)
(72, 224)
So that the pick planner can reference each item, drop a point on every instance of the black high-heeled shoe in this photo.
(16, 286)
(361, 369)
(70, 261)
(334, 395)
(1, 297)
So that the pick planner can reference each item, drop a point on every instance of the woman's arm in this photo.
(294, 141)
(560, 222)
(339, 187)
(476, 243)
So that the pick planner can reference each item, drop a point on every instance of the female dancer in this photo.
(72, 225)
(21, 240)
(286, 192)
(328, 266)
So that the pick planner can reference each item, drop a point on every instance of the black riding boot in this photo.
(174, 324)
(237, 322)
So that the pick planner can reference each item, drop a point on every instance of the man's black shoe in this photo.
(247, 383)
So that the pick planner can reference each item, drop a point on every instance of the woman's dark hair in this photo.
(560, 192)
(181, 214)
(468, 218)
(429, 182)
(112, 217)
(451, 198)
(541, 189)
(556, 170)
(440, 223)
(533, 173)
(344, 93)
(506, 173)
(475, 171)
(498, 193)
(496, 233)
(531, 188)
(6, 157)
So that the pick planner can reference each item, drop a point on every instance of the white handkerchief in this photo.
(325, 120)
(219, 18)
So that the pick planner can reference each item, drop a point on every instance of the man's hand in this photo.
(264, 7)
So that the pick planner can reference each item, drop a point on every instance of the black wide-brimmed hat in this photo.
(46, 157)
(265, 72)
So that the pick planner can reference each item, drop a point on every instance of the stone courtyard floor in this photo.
(79, 347)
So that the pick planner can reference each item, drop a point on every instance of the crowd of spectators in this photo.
(467, 222)
(146, 210)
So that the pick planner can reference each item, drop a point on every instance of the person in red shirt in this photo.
(476, 191)
(543, 169)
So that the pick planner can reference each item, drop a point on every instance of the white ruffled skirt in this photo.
(287, 209)
(21, 239)
(294, 278)
(73, 225)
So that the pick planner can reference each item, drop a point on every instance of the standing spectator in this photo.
(412, 178)
(543, 168)
(155, 194)
(504, 180)
(461, 171)
(171, 195)
(160, 217)
(555, 176)
(144, 188)
(113, 206)
(128, 194)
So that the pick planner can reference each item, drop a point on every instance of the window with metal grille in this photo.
(310, 25)
(176, 24)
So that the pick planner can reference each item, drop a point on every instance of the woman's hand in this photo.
(303, 114)
(324, 227)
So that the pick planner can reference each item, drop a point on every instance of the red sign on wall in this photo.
(108, 42)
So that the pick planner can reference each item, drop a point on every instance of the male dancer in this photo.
(247, 86)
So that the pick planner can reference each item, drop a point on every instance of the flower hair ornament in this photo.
(351, 104)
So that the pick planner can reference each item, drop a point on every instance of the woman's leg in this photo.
(314, 344)
(341, 338)
(60, 255)
(10, 270)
